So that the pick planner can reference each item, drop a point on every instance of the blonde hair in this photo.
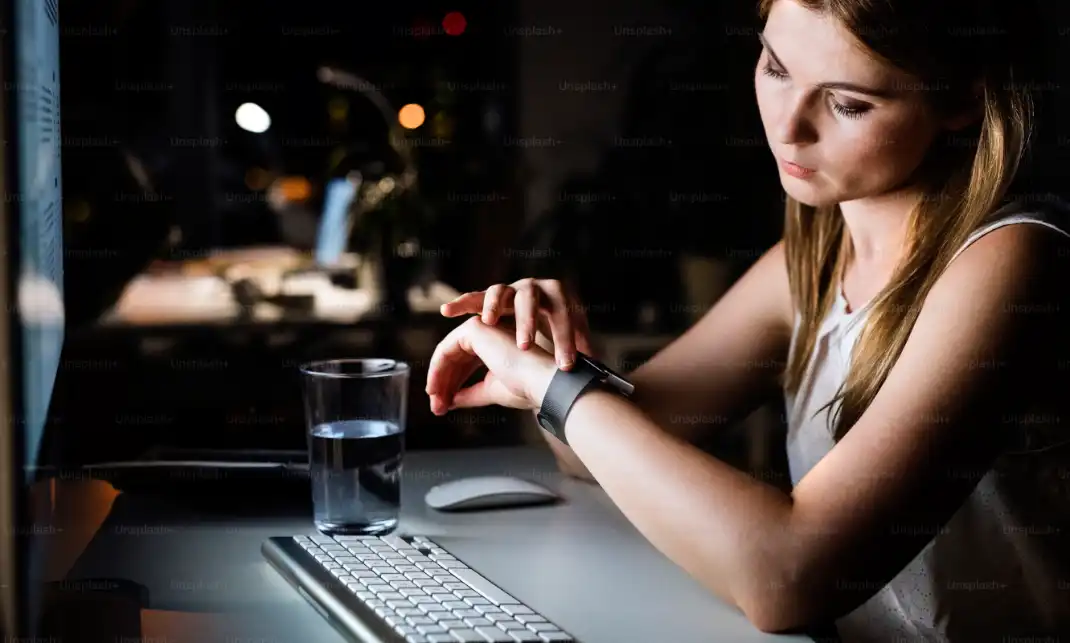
(961, 186)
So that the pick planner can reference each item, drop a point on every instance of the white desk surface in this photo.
(581, 563)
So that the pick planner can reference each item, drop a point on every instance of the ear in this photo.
(971, 114)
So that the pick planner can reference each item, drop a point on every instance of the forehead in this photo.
(817, 48)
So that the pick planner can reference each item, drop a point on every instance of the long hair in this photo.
(960, 57)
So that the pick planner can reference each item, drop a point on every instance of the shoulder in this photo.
(1008, 285)
(1022, 246)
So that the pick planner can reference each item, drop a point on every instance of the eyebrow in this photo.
(849, 87)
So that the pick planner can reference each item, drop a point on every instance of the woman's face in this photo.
(854, 127)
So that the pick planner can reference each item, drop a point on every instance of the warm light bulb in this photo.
(411, 116)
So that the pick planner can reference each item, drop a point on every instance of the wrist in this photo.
(539, 382)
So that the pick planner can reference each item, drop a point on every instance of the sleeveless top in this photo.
(1000, 568)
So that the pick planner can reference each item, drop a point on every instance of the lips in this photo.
(796, 170)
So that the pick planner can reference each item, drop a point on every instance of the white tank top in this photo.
(1001, 566)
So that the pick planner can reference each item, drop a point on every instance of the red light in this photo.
(454, 23)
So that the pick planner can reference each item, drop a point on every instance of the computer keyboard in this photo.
(416, 590)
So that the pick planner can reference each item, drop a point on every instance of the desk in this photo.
(581, 563)
(193, 291)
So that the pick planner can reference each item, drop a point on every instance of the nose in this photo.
(794, 126)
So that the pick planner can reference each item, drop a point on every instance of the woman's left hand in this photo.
(516, 378)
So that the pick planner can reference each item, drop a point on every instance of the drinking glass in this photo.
(355, 411)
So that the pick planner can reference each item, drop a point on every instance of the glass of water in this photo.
(355, 410)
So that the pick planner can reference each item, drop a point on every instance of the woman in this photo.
(916, 335)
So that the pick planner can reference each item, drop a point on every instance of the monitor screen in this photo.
(334, 222)
(40, 281)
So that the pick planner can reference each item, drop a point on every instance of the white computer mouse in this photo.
(487, 492)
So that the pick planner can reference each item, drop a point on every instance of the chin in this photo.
(809, 194)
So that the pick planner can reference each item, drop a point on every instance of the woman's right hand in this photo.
(535, 304)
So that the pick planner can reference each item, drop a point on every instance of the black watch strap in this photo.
(565, 388)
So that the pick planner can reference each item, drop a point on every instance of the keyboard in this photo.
(409, 589)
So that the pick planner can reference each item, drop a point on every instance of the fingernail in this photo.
(524, 345)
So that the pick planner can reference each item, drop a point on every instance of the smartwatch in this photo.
(567, 386)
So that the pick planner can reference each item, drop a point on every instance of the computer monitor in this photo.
(31, 286)
(335, 224)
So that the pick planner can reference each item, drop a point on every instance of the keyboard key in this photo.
(374, 603)
(529, 618)
(542, 627)
(524, 635)
(417, 621)
(497, 616)
(453, 564)
(489, 590)
(494, 635)
(467, 613)
(418, 638)
(390, 596)
(410, 610)
(405, 630)
(431, 629)
(440, 638)
(398, 605)
(409, 593)
(440, 615)
(556, 637)
(515, 609)
(455, 624)
(511, 625)
(479, 622)
(379, 587)
(477, 601)
(488, 609)
(463, 592)
(455, 586)
(392, 577)
(455, 605)
(406, 568)
(468, 636)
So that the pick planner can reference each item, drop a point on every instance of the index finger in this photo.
(467, 304)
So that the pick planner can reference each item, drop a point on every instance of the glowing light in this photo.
(252, 118)
(454, 23)
(295, 188)
(411, 116)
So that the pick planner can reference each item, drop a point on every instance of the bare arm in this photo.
(719, 371)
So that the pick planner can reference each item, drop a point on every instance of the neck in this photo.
(877, 227)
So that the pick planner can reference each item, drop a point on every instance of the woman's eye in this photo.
(850, 110)
(768, 70)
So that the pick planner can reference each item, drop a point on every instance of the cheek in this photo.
(875, 155)
(766, 98)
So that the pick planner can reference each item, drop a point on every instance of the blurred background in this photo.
(207, 144)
